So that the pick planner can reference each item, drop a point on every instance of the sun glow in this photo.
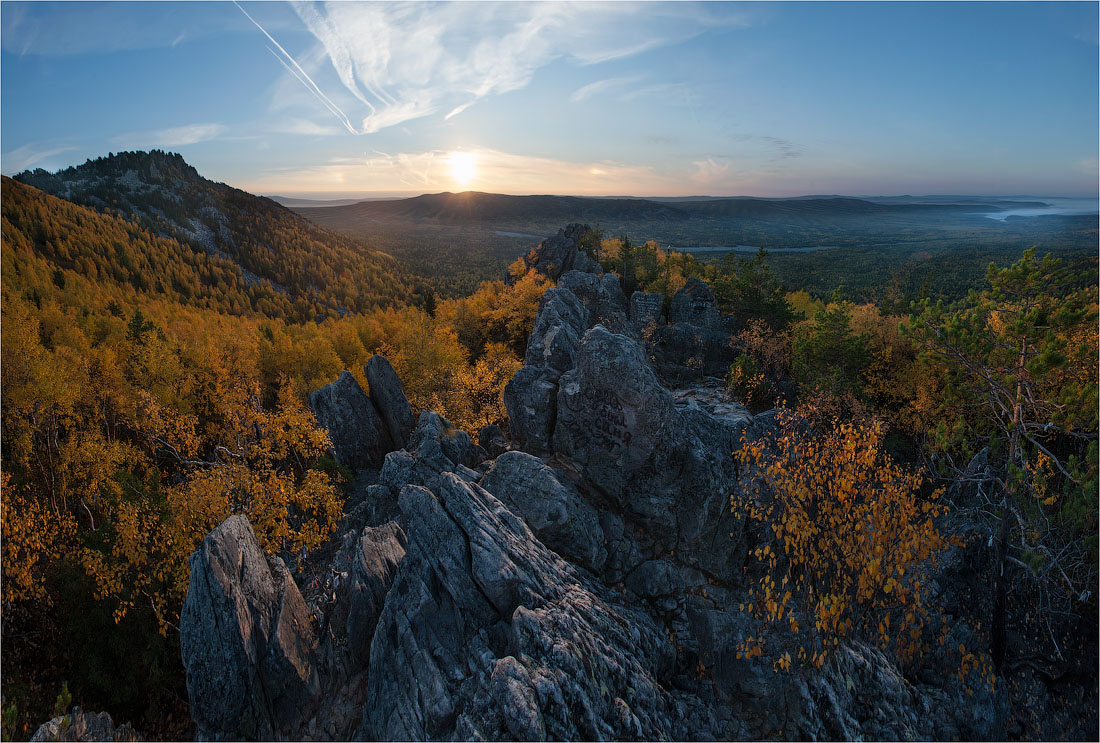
(463, 167)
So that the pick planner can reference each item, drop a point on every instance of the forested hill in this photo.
(317, 272)
(70, 245)
(473, 207)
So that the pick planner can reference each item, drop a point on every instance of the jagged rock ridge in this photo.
(585, 586)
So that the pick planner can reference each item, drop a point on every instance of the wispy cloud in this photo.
(34, 153)
(306, 127)
(602, 87)
(712, 171)
(784, 148)
(177, 136)
(764, 147)
(403, 61)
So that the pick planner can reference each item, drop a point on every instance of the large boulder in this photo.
(360, 438)
(560, 253)
(388, 395)
(694, 304)
(612, 413)
(445, 446)
(550, 505)
(246, 640)
(492, 440)
(665, 464)
(683, 354)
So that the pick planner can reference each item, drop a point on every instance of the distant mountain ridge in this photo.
(475, 207)
(322, 272)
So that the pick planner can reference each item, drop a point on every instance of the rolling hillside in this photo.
(319, 272)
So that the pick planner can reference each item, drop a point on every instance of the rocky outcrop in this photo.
(684, 354)
(363, 428)
(471, 628)
(560, 253)
(694, 344)
(588, 587)
(613, 414)
(435, 447)
(496, 637)
(388, 395)
(79, 725)
(655, 460)
(377, 558)
(530, 396)
(531, 399)
(359, 436)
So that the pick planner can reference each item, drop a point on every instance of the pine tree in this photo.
(1018, 428)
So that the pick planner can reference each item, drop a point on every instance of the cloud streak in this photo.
(24, 157)
(296, 70)
(177, 136)
(602, 87)
(404, 61)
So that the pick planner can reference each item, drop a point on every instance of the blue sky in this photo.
(347, 99)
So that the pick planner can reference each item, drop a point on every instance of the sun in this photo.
(463, 167)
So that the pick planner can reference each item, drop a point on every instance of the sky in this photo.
(348, 99)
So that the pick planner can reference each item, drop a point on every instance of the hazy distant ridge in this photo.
(473, 207)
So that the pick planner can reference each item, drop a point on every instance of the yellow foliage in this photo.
(850, 532)
(255, 469)
(482, 388)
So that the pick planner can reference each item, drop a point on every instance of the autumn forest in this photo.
(162, 335)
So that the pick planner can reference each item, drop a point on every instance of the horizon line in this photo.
(395, 195)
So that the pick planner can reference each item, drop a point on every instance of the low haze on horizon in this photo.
(337, 100)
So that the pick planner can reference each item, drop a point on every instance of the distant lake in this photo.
(750, 249)
(1054, 206)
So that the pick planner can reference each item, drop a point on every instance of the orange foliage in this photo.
(33, 537)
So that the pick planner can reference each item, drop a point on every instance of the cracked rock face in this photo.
(613, 414)
(246, 638)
